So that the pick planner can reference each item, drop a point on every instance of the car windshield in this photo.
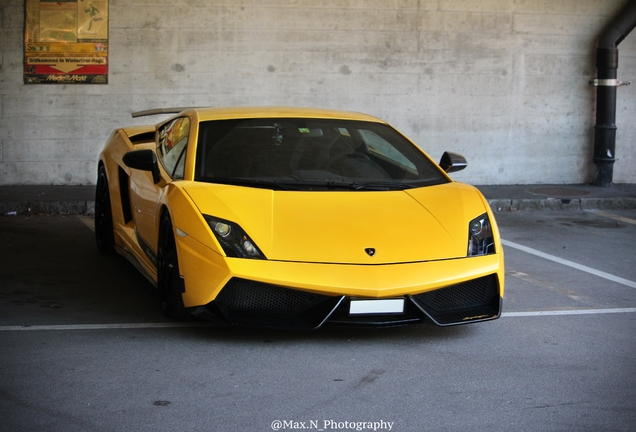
(311, 154)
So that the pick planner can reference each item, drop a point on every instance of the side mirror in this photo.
(145, 160)
(451, 162)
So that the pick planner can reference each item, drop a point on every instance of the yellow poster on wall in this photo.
(66, 42)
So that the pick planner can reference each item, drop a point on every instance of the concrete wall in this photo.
(505, 82)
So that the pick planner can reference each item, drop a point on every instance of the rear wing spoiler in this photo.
(157, 111)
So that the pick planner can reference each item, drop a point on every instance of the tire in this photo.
(104, 233)
(169, 279)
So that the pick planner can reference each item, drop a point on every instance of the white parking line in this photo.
(613, 216)
(104, 326)
(572, 264)
(567, 312)
(89, 221)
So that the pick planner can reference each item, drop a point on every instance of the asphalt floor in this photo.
(84, 345)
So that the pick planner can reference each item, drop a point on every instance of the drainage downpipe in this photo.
(606, 83)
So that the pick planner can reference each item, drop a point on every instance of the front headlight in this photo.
(480, 238)
(234, 241)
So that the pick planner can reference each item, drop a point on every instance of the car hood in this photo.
(348, 227)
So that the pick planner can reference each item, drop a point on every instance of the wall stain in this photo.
(177, 67)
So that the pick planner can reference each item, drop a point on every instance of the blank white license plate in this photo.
(381, 306)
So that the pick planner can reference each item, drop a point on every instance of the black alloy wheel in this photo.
(169, 280)
(104, 234)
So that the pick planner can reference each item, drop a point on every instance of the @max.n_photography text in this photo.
(329, 425)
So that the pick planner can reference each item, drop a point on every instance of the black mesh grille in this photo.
(249, 296)
(476, 299)
(254, 303)
(468, 294)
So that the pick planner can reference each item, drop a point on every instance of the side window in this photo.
(173, 142)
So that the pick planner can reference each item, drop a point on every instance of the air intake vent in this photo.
(254, 303)
(141, 138)
(473, 300)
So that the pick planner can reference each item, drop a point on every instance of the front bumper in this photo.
(309, 295)
(250, 303)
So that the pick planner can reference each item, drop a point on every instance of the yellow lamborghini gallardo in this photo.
(297, 218)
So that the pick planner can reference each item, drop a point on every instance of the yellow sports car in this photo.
(297, 218)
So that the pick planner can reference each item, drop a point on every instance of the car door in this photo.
(145, 194)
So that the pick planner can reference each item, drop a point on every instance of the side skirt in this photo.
(135, 262)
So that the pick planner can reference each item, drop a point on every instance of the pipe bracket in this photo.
(608, 83)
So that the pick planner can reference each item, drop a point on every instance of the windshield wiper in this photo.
(351, 186)
(383, 185)
(318, 185)
(264, 184)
